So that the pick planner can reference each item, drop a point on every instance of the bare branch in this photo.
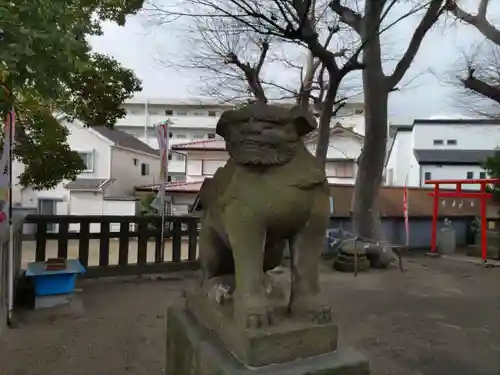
(480, 87)
(347, 15)
(479, 20)
(431, 16)
(483, 8)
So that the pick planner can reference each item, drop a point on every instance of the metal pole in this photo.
(10, 254)
(435, 209)
(484, 238)
(163, 142)
(146, 120)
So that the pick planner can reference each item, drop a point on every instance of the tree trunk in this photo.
(371, 164)
(370, 168)
(324, 121)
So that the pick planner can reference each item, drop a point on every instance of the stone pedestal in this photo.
(194, 350)
(202, 339)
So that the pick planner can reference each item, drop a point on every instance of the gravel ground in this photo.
(439, 317)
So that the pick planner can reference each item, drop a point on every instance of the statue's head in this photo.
(262, 134)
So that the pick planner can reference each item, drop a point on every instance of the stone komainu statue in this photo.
(271, 193)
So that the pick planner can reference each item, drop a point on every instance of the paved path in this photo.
(29, 248)
(440, 317)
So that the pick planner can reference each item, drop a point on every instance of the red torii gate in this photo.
(482, 195)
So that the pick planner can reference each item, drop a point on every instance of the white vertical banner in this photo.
(162, 136)
(405, 211)
(5, 167)
(6, 201)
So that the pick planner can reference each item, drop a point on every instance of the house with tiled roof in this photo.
(115, 163)
(441, 148)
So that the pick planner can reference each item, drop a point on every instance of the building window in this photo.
(211, 135)
(198, 136)
(136, 161)
(482, 175)
(169, 178)
(144, 169)
(153, 112)
(451, 142)
(197, 113)
(427, 176)
(170, 135)
(340, 169)
(358, 111)
(175, 156)
(181, 113)
(181, 136)
(438, 142)
(169, 112)
(470, 175)
(88, 160)
(212, 113)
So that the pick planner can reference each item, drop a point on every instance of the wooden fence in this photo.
(181, 231)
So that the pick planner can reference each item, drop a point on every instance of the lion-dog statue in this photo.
(271, 193)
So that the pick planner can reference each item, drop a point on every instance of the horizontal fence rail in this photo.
(128, 236)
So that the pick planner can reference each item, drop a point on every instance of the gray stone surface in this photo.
(288, 339)
(194, 350)
(44, 302)
(417, 322)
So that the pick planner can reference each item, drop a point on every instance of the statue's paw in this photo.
(218, 290)
(313, 309)
(259, 320)
(321, 315)
(254, 312)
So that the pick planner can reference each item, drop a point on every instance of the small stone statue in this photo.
(271, 193)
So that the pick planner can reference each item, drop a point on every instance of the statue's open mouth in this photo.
(251, 143)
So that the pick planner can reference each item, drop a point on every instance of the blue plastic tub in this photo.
(54, 282)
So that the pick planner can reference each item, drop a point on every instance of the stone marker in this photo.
(271, 193)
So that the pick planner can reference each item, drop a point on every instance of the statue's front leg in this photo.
(247, 237)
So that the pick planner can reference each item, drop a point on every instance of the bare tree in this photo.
(377, 86)
(482, 77)
(295, 21)
(277, 22)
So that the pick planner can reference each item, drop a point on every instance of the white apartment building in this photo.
(436, 149)
(194, 120)
(190, 120)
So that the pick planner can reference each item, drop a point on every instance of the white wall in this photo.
(341, 146)
(402, 162)
(442, 172)
(181, 202)
(338, 172)
(468, 137)
(179, 135)
(128, 175)
(79, 139)
(87, 203)
(194, 166)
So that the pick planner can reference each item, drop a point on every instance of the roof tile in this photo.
(453, 156)
(207, 144)
(121, 138)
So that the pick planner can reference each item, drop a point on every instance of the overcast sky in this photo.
(138, 46)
